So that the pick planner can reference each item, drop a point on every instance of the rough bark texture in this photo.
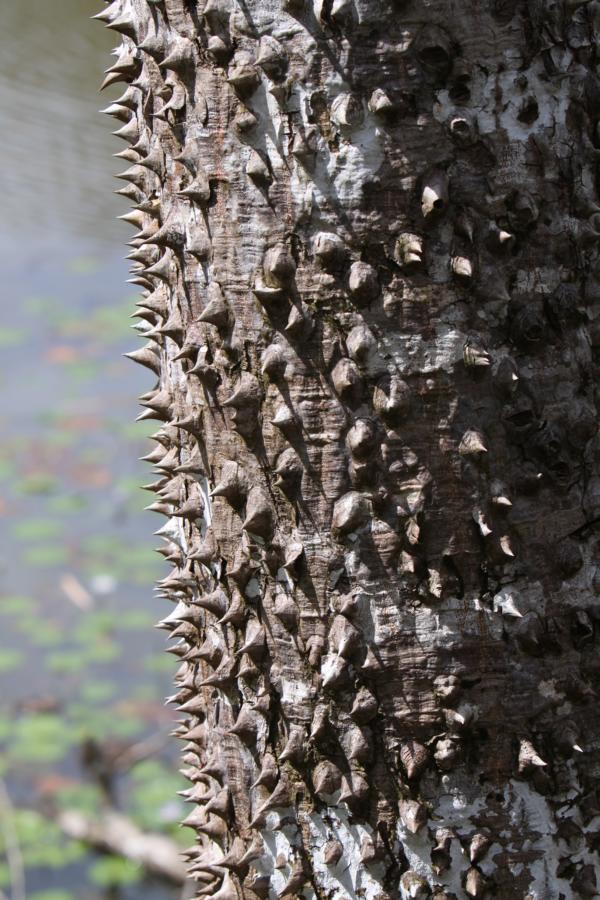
(368, 248)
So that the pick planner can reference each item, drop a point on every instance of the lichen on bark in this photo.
(367, 250)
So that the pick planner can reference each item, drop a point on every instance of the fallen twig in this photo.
(144, 749)
(112, 832)
(76, 593)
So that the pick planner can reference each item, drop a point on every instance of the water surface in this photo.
(79, 658)
(55, 149)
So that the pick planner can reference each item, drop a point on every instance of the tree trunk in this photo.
(368, 251)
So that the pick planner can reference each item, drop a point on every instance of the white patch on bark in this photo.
(528, 804)
(356, 162)
(552, 106)
(294, 692)
(205, 489)
(455, 811)
(413, 353)
(348, 879)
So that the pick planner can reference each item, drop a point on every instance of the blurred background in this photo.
(83, 724)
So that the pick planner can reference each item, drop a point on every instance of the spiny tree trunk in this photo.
(368, 251)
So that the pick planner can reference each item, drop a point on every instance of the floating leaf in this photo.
(132, 431)
(41, 306)
(82, 370)
(10, 658)
(98, 691)
(42, 842)
(103, 652)
(127, 727)
(51, 635)
(66, 503)
(38, 483)
(99, 624)
(111, 323)
(17, 605)
(59, 439)
(112, 871)
(137, 564)
(159, 663)
(153, 789)
(52, 895)
(130, 485)
(40, 737)
(144, 693)
(84, 798)
(103, 723)
(37, 529)
(135, 620)
(46, 555)
(101, 545)
(66, 661)
(11, 337)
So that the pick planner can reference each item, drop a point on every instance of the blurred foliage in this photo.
(79, 658)
(42, 843)
(111, 871)
(78, 652)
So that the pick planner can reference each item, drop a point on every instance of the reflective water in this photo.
(79, 658)
(56, 150)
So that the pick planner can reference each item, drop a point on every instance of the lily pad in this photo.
(153, 796)
(40, 738)
(111, 322)
(51, 635)
(159, 663)
(135, 620)
(42, 842)
(10, 658)
(52, 895)
(11, 337)
(46, 555)
(103, 652)
(36, 529)
(84, 798)
(97, 691)
(17, 605)
(37, 483)
(82, 370)
(113, 871)
(67, 503)
(66, 661)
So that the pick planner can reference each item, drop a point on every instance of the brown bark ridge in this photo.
(368, 250)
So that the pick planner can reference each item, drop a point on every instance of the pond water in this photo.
(79, 658)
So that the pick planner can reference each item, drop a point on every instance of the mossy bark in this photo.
(367, 246)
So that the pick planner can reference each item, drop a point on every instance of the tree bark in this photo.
(368, 248)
